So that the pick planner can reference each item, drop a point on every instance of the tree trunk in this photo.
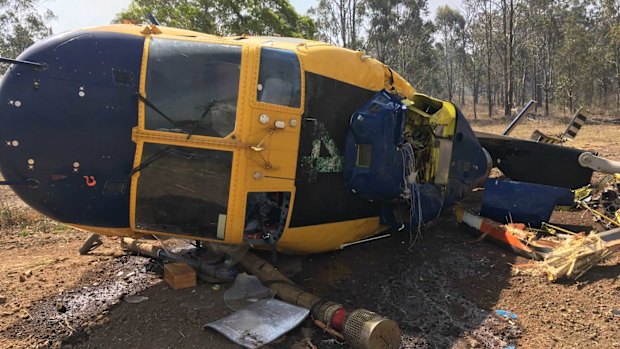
(488, 32)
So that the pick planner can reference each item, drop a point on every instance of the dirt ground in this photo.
(443, 293)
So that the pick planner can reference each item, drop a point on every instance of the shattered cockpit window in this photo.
(192, 87)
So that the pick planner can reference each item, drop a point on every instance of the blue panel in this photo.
(427, 203)
(80, 109)
(468, 164)
(375, 134)
(531, 204)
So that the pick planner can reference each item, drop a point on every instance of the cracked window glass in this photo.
(192, 87)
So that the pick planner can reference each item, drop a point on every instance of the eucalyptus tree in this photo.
(21, 24)
(225, 17)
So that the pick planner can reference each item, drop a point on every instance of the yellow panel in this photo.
(133, 193)
(273, 166)
(327, 237)
(103, 230)
(352, 67)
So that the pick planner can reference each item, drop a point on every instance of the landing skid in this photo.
(91, 244)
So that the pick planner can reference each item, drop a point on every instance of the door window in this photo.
(192, 87)
(279, 78)
(183, 190)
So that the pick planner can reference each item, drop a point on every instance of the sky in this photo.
(74, 14)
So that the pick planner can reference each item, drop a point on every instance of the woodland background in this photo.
(490, 56)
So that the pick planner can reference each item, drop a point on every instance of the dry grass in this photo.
(14, 216)
(576, 255)
(21, 220)
(555, 111)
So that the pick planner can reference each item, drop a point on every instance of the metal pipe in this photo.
(362, 328)
(217, 271)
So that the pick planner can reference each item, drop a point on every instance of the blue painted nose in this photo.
(65, 127)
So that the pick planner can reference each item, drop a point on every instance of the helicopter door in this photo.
(184, 170)
(183, 191)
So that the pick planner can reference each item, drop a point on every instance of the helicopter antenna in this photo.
(17, 61)
(152, 18)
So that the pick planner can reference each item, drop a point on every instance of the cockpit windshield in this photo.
(195, 85)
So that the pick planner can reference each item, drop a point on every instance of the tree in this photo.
(451, 26)
(407, 44)
(576, 55)
(21, 25)
(474, 45)
(610, 30)
(339, 22)
(508, 45)
(562, 52)
(481, 15)
(224, 17)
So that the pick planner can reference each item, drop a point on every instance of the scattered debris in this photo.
(516, 236)
(61, 308)
(246, 290)
(91, 244)
(506, 313)
(135, 299)
(360, 327)
(218, 272)
(179, 275)
(340, 338)
(560, 252)
(576, 255)
(605, 197)
(260, 323)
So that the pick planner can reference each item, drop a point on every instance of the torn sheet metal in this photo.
(246, 290)
(531, 204)
(260, 323)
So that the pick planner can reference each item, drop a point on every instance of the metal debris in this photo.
(246, 290)
(260, 323)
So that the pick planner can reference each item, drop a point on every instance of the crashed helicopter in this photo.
(274, 142)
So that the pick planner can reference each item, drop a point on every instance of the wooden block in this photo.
(179, 275)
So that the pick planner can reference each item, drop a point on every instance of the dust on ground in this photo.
(442, 292)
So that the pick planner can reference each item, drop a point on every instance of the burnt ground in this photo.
(442, 292)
